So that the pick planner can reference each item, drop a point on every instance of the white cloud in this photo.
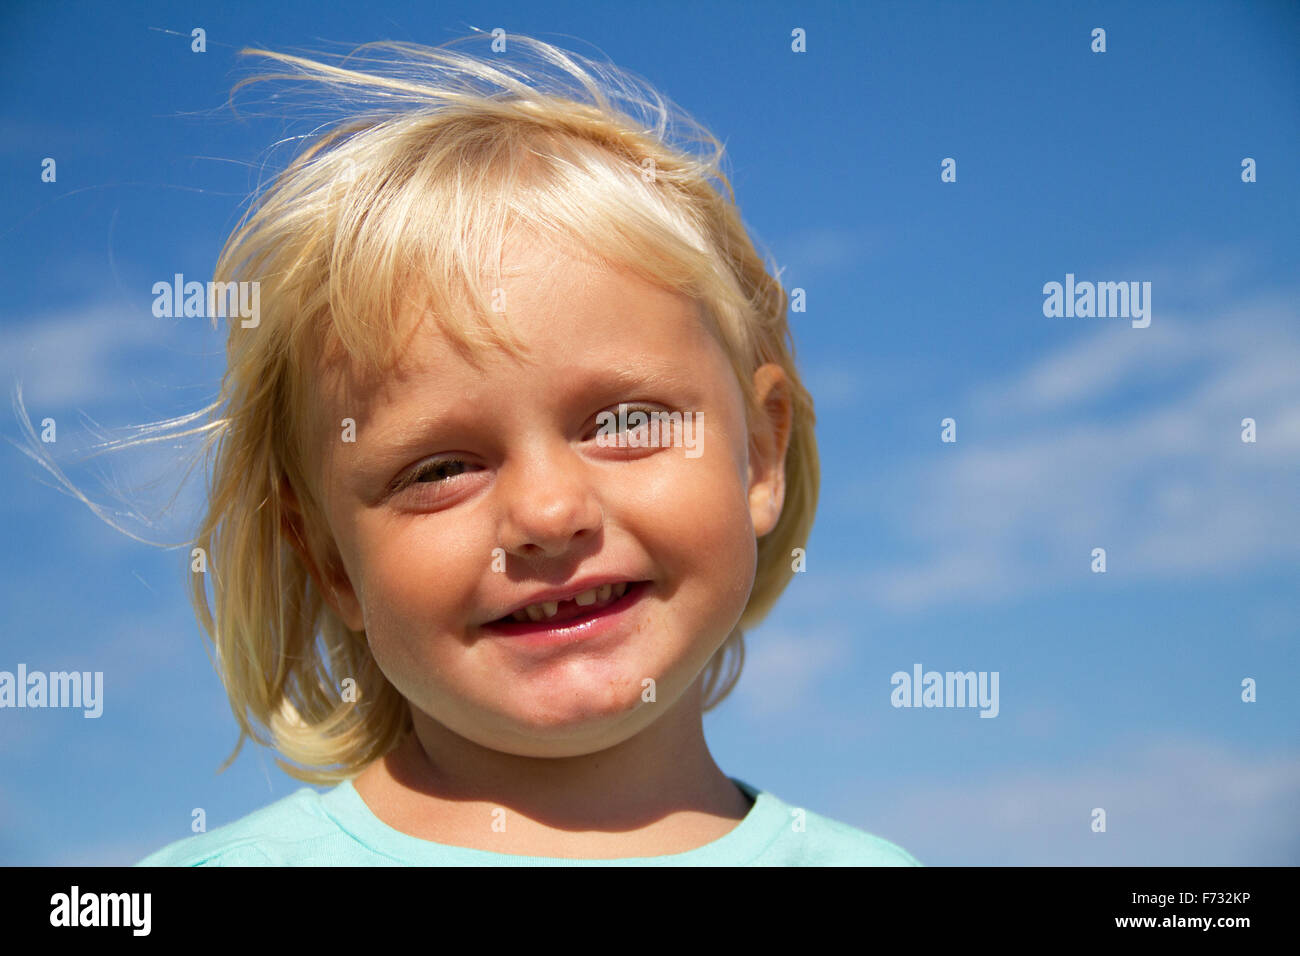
(94, 356)
(1172, 802)
(781, 672)
(825, 249)
(64, 359)
(101, 362)
(1128, 439)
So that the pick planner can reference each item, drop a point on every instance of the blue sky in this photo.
(1118, 690)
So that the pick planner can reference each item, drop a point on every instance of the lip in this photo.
(585, 627)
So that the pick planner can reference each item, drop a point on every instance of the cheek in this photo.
(696, 520)
(412, 590)
(414, 573)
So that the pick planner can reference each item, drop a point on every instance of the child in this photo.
(513, 452)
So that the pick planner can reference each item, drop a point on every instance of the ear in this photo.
(769, 438)
(329, 577)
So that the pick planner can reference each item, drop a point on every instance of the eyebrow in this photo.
(412, 432)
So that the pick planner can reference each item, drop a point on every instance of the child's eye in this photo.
(439, 470)
(611, 422)
(435, 472)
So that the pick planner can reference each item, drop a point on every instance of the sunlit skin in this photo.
(562, 740)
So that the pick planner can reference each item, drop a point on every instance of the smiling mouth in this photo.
(590, 604)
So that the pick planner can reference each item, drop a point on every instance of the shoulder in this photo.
(834, 843)
(805, 838)
(259, 839)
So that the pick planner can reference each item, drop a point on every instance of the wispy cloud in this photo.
(80, 366)
(1172, 802)
(1127, 439)
(782, 672)
(825, 249)
(95, 356)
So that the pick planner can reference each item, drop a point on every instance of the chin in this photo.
(582, 727)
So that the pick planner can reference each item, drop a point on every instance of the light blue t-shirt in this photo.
(337, 828)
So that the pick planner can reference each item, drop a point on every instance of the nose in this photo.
(549, 503)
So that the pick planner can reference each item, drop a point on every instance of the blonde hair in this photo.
(437, 155)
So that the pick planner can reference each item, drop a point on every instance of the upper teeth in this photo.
(537, 612)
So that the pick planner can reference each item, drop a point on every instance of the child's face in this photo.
(527, 476)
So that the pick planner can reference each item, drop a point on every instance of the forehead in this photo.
(572, 313)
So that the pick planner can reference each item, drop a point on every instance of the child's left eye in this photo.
(611, 422)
